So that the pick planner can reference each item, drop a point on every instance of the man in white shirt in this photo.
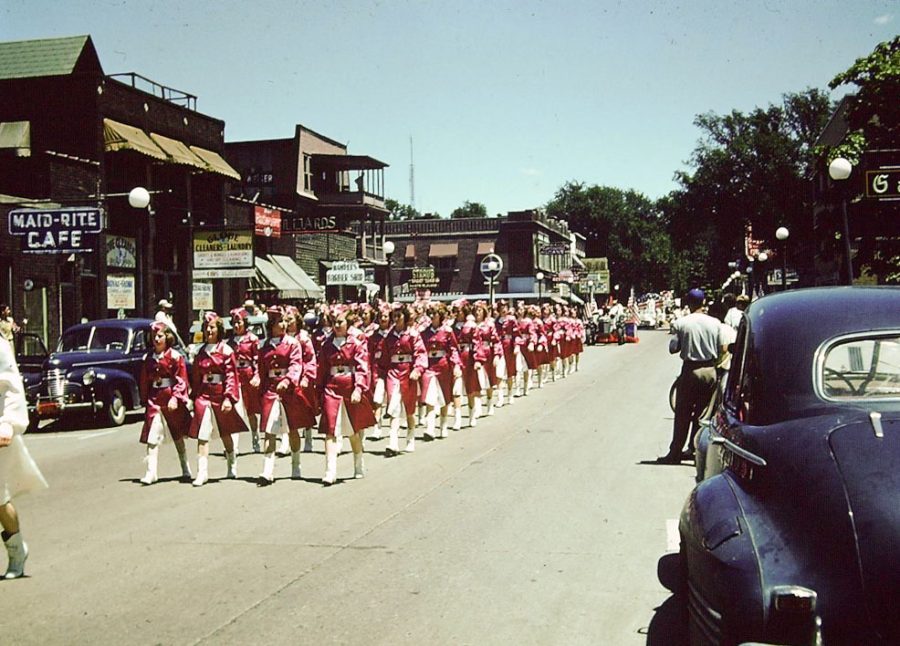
(698, 339)
(734, 314)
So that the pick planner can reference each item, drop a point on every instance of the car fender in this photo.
(107, 380)
(724, 584)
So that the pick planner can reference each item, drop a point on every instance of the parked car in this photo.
(96, 369)
(30, 356)
(793, 536)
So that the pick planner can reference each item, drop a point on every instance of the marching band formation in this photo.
(343, 370)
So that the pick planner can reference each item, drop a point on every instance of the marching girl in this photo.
(343, 380)
(443, 367)
(472, 355)
(376, 342)
(507, 329)
(217, 398)
(164, 388)
(457, 314)
(493, 351)
(282, 372)
(246, 351)
(404, 360)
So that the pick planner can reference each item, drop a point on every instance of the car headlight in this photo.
(89, 377)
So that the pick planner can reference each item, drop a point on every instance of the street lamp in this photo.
(591, 296)
(388, 253)
(782, 234)
(539, 277)
(493, 267)
(839, 170)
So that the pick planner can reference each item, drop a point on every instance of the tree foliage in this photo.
(470, 210)
(623, 226)
(398, 211)
(748, 168)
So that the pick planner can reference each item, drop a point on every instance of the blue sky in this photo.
(505, 101)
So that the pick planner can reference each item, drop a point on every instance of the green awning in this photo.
(16, 135)
(119, 136)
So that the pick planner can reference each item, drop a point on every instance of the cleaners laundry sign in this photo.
(56, 230)
(223, 253)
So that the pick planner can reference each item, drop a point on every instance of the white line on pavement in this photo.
(100, 434)
(673, 541)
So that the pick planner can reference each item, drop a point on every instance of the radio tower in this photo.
(412, 176)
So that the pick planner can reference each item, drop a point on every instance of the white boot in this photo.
(17, 550)
(284, 447)
(490, 406)
(445, 424)
(475, 413)
(268, 473)
(359, 467)
(307, 440)
(235, 442)
(330, 463)
(186, 474)
(231, 464)
(374, 433)
(152, 460)
(410, 439)
(393, 447)
(457, 418)
(429, 426)
(202, 471)
(500, 397)
(295, 465)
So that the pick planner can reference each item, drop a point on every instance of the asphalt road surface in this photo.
(545, 524)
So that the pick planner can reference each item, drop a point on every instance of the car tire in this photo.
(115, 408)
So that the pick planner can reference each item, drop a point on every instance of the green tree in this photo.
(623, 226)
(398, 211)
(747, 169)
(470, 210)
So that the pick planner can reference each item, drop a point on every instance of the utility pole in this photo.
(412, 176)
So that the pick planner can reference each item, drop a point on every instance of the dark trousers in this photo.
(696, 389)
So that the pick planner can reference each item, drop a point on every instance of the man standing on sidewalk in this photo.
(698, 340)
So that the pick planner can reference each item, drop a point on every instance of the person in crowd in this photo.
(344, 374)
(507, 330)
(18, 472)
(735, 309)
(457, 318)
(295, 327)
(8, 326)
(443, 367)
(164, 313)
(217, 398)
(376, 342)
(472, 355)
(493, 351)
(697, 338)
(404, 359)
(246, 352)
(282, 373)
(165, 391)
(537, 345)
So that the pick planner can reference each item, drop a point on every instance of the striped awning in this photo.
(120, 136)
(177, 151)
(215, 162)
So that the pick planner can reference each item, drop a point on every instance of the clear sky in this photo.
(505, 101)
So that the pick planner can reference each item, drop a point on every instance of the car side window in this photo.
(109, 339)
(139, 344)
(738, 386)
(864, 368)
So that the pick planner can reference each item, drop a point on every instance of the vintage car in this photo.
(793, 536)
(95, 369)
(30, 355)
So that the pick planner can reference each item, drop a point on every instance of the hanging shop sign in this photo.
(223, 253)
(423, 278)
(56, 230)
(555, 249)
(268, 222)
(121, 252)
(120, 291)
(345, 272)
(317, 224)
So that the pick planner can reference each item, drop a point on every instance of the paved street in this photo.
(540, 526)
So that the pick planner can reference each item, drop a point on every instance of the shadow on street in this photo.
(669, 624)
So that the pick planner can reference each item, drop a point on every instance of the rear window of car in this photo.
(94, 339)
(862, 368)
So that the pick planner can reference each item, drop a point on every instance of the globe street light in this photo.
(388, 253)
(493, 267)
(539, 277)
(782, 234)
(839, 170)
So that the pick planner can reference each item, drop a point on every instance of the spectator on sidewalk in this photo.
(8, 326)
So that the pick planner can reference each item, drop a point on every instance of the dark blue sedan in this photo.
(793, 537)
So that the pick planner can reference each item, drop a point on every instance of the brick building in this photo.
(72, 136)
(528, 243)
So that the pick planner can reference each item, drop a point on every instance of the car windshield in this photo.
(862, 368)
(94, 339)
